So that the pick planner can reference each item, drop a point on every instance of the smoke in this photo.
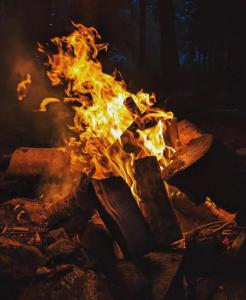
(20, 57)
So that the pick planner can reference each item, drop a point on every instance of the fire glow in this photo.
(112, 126)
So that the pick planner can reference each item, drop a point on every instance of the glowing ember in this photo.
(104, 144)
(22, 87)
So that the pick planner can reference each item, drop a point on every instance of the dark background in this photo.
(191, 53)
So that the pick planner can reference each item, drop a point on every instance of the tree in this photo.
(169, 52)
(142, 35)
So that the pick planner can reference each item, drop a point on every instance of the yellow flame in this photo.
(22, 87)
(104, 144)
(46, 102)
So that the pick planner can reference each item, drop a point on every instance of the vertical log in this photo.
(122, 216)
(155, 204)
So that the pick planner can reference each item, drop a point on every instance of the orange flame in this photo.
(105, 144)
(22, 87)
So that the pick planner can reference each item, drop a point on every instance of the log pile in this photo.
(96, 242)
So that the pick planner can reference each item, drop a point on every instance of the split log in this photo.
(38, 161)
(188, 131)
(218, 175)
(164, 269)
(172, 135)
(122, 216)
(155, 204)
(23, 212)
(97, 243)
(188, 155)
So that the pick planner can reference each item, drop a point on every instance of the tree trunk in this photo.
(169, 52)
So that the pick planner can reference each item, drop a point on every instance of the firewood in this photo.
(23, 212)
(68, 283)
(129, 281)
(188, 155)
(155, 204)
(122, 216)
(172, 135)
(164, 269)
(231, 289)
(79, 200)
(38, 161)
(97, 244)
(218, 175)
(187, 131)
(18, 260)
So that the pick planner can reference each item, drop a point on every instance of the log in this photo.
(187, 131)
(188, 155)
(172, 135)
(155, 204)
(38, 161)
(79, 199)
(129, 281)
(97, 243)
(15, 258)
(164, 269)
(68, 282)
(122, 216)
(218, 175)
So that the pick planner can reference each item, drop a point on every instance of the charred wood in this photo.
(122, 216)
(69, 282)
(97, 244)
(219, 175)
(15, 258)
(155, 204)
(129, 281)
(164, 269)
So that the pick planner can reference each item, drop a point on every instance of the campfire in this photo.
(109, 214)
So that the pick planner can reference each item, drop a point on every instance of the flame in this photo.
(112, 126)
(22, 87)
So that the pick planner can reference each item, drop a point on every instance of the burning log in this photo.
(155, 204)
(172, 136)
(188, 131)
(188, 155)
(122, 216)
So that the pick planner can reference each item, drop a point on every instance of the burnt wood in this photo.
(165, 270)
(155, 204)
(122, 216)
(188, 155)
(220, 175)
